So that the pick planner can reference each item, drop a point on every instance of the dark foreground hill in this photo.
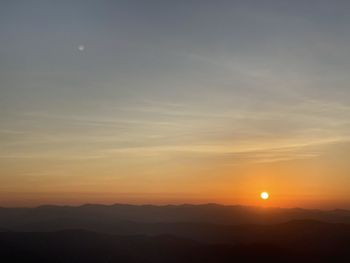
(187, 233)
(89, 247)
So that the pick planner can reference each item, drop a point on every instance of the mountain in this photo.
(110, 218)
(89, 247)
(181, 234)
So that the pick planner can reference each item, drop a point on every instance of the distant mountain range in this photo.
(173, 233)
(62, 217)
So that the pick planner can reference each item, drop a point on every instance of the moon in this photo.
(81, 47)
(264, 195)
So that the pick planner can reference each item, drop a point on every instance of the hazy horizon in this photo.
(175, 102)
(77, 205)
(73, 203)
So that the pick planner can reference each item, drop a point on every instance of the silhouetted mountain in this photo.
(115, 218)
(89, 247)
(184, 233)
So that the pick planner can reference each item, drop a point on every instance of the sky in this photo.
(186, 101)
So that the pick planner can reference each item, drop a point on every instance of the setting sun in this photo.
(264, 195)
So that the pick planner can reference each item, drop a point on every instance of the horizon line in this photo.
(174, 205)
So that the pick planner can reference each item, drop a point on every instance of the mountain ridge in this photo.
(205, 213)
(87, 246)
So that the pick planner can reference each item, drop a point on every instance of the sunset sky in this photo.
(183, 101)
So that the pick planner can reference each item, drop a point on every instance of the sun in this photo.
(264, 195)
